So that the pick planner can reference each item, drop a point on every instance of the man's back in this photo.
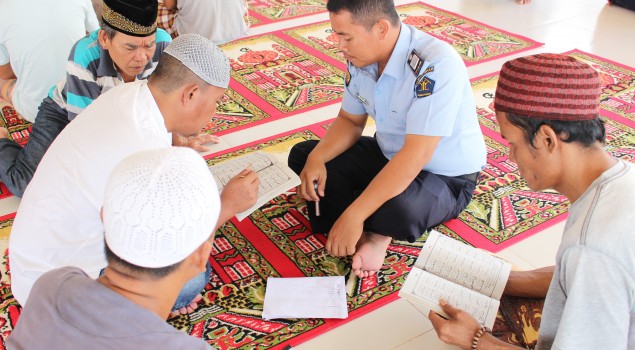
(58, 221)
(69, 310)
(38, 53)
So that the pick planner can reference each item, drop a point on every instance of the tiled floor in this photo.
(563, 25)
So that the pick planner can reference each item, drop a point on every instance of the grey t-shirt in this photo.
(591, 299)
(68, 310)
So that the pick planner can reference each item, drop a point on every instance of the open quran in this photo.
(465, 277)
(275, 177)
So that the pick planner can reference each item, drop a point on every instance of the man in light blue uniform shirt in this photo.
(421, 167)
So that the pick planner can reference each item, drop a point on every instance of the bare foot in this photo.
(370, 254)
(4, 133)
(188, 309)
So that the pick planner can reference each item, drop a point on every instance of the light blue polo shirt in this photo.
(447, 108)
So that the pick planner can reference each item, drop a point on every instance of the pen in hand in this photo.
(317, 203)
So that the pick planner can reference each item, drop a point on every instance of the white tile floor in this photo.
(563, 25)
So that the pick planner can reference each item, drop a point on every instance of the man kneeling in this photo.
(159, 214)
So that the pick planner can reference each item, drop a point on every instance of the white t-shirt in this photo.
(36, 37)
(591, 299)
(58, 222)
(218, 20)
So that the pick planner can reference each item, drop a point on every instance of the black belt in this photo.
(470, 177)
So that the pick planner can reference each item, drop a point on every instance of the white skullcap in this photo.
(202, 57)
(159, 206)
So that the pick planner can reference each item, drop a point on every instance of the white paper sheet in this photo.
(305, 297)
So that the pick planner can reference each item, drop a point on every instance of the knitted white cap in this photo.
(159, 206)
(202, 57)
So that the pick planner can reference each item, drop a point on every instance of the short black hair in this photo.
(170, 74)
(366, 12)
(152, 273)
(585, 132)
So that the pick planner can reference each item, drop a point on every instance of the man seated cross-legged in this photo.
(420, 168)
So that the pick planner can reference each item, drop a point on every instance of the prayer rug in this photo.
(269, 11)
(276, 240)
(280, 78)
(504, 210)
(19, 129)
(9, 307)
(518, 321)
(474, 41)
(234, 112)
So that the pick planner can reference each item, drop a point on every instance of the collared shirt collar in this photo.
(397, 61)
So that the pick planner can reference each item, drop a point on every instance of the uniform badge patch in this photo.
(424, 86)
(415, 62)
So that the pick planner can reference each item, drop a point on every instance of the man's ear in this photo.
(190, 93)
(104, 40)
(382, 27)
(201, 255)
(547, 138)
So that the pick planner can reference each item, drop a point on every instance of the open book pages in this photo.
(462, 275)
(275, 177)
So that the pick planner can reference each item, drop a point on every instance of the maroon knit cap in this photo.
(548, 86)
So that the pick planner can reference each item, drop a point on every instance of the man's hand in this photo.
(240, 193)
(343, 237)
(314, 171)
(195, 142)
(459, 330)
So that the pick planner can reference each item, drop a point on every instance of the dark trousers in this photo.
(427, 202)
(17, 164)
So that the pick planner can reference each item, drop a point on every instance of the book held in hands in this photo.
(275, 177)
(464, 276)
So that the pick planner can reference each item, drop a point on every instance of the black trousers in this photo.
(427, 202)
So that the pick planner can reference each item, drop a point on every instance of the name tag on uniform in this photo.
(415, 62)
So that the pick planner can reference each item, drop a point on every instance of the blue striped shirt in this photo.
(90, 72)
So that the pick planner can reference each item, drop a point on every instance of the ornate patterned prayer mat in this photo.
(269, 11)
(518, 321)
(276, 241)
(19, 129)
(267, 68)
(504, 210)
(474, 41)
(234, 112)
(9, 307)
